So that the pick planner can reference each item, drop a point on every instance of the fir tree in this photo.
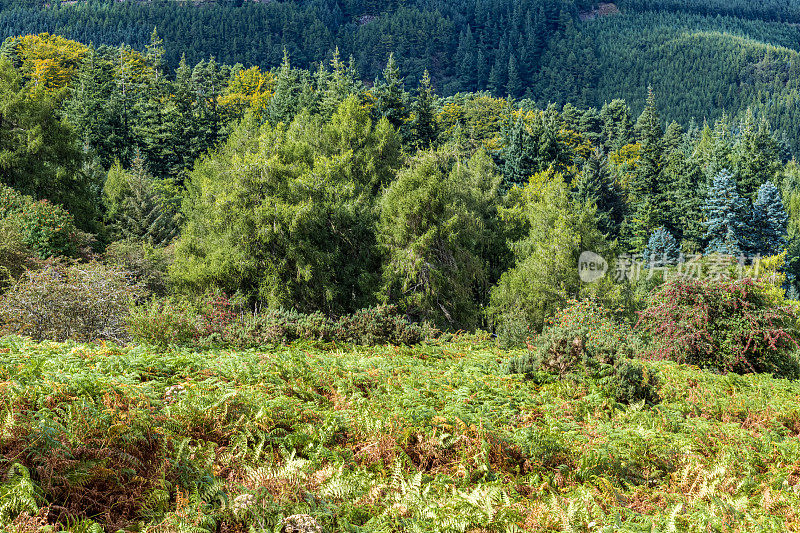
(285, 102)
(391, 100)
(136, 210)
(756, 156)
(595, 185)
(519, 159)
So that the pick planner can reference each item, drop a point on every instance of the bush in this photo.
(725, 325)
(63, 301)
(46, 228)
(147, 265)
(583, 338)
(215, 321)
(632, 382)
(15, 256)
(378, 325)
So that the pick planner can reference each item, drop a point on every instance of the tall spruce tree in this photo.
(391, 99)
(595, 185)
(135, 209)
(768, 222)
(647, 196)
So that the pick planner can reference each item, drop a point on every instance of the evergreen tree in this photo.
(424, 128)
(662, 249)
(519, 158)
(285, 102)
(391, 99)
(648, 197)
(514, 85)
(755, 157)
(136, 210)
(618, 129)
(596, 186)
(768, 222)
(726, 217)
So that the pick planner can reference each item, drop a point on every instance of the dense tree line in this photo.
(309, 189)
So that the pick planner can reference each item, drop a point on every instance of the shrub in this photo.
(378, 325)
(69, 301)
(48, 229)
(216, 321)
(147, 265)
(726, 325)
(164, 322)
(582, 338)
(15, 256)
(633, 381)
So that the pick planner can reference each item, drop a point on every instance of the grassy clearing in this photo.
(432, 438)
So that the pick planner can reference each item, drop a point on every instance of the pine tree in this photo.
(725, 213)
(768, 222)
(618, 129)
(662, 249)
(647, 195)
(514, 85)
(519, 159)
(342, 82)
(755, 157)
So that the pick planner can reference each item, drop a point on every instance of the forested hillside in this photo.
(703, 57)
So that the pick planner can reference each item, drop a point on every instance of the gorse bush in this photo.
(725, 325)
(216, 321)
(69, 301)
(582, 338)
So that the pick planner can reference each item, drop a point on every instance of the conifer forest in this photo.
(305, 266)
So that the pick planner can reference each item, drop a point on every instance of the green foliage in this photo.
(146, 265)
(634, 381)
(726, 325)
(431, 438)
(216, 321)
(581, 340)
(135, 208)
(38, 153)
(286, 214)
(433, 227)
(18, 493)
(45, 228)
(545, 275)
(68, 301)
(15, 256)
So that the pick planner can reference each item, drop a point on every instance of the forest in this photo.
(510, 265)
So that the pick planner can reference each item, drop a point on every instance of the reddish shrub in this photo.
(726, 325)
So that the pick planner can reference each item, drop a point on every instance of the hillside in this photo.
(434, 438)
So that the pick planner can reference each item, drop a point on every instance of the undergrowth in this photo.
(430, 438)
